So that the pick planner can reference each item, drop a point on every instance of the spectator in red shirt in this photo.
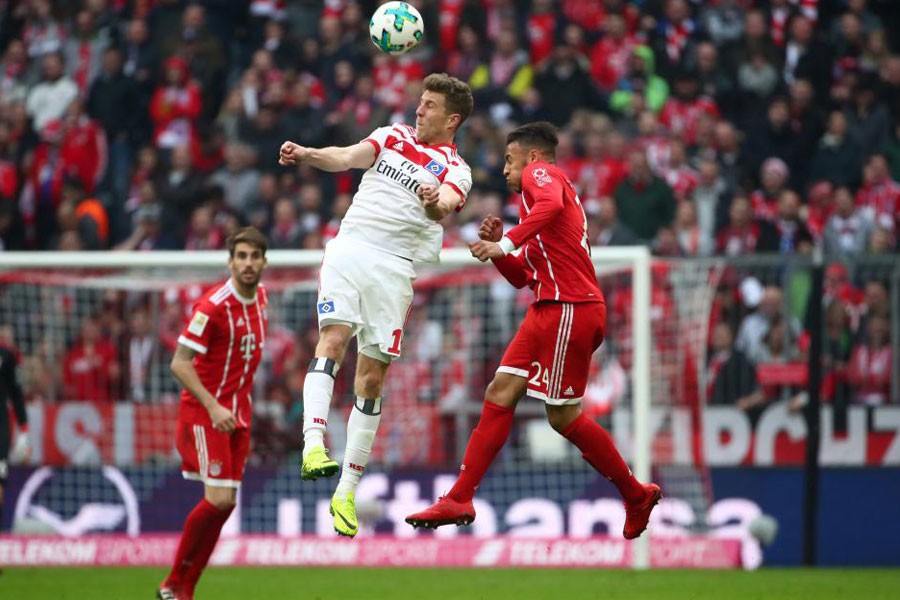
(869, 370)
(541, 25)
(175, 106)
(678, 174)
(609, 57)
(604, 168)
(741, 234)
(84, 146)
(879, 198)
(90, 368)
(682, 111)
(774, 175)
(287, 231)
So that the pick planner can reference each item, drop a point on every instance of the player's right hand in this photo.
(222, 419)
(290, 154)
(491, 229)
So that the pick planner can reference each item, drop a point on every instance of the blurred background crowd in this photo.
(744, 126)
(717, 128)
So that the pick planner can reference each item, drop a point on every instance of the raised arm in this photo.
(332, 158)
(547, 204)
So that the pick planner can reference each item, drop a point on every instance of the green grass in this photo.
(464, 584)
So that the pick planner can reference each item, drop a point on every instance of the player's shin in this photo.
(202, 520)
(318, 388)
(205, 550)
(361, 430)
(485, 442)
(599, 450)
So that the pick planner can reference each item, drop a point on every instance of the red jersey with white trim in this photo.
(229, 333)
(555, 258)
(386, 212)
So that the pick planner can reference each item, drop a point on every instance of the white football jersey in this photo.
(386, 212)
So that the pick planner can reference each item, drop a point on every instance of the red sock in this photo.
(484, 444)
(207, 545)
(201, 531)
(598, 449)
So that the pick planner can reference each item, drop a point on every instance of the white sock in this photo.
(318, 387)
(361, 429)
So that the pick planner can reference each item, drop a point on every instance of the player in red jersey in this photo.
(549, 358)
(216, 360)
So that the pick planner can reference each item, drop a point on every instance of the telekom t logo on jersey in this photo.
(248, 345)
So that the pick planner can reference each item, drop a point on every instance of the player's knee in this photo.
(223, 503)
(560, 417)
(222, 498)
(333, 342)
(501, 394)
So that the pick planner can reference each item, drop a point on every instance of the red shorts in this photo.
(211, 456)
(553, 349)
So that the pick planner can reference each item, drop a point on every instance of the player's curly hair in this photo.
(457, 94)
(247, 235)
(539, 135)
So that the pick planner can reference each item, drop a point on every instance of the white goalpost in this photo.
(461, 292)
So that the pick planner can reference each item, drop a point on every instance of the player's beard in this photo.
(249, 279)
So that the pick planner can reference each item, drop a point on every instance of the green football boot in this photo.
(317, 464)
(344, 512)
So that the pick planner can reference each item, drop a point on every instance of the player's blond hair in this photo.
(457, 94)
(247, 235)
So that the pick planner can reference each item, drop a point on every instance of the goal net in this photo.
(96, 332)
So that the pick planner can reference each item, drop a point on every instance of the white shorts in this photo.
(369, 290)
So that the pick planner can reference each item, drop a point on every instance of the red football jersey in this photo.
(229, 332)
(555, 261)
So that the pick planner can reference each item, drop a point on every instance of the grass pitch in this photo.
(452, 584)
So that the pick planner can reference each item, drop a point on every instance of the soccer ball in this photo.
(396, 28)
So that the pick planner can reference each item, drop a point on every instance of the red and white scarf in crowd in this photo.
(677, 35)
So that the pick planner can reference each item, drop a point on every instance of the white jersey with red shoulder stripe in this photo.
(386, 213)
(229, 333)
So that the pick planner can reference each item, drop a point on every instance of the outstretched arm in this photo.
(332, 158)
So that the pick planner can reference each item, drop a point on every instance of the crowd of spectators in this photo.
(739, 126)
(722, 127)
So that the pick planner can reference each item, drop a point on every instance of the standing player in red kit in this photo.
(549, 358)
(216, 361)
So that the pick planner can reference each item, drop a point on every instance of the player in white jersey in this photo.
(414, 179)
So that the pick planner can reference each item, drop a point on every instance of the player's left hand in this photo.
(485, 251)
(428, 195)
